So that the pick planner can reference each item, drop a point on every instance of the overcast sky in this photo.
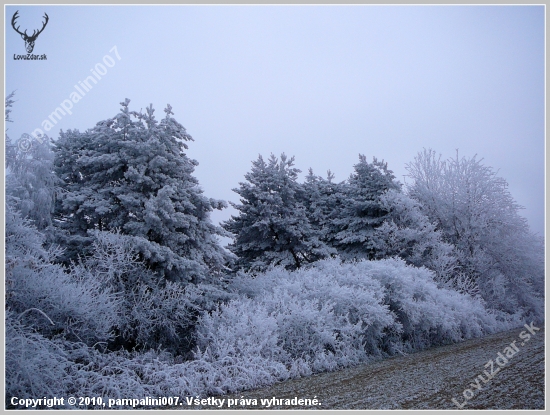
(321, 83)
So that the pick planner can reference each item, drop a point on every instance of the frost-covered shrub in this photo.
(79, 307)
(240, 341)
(156, 315)
(319, 315)
(279, 325)
(35, 366)
(152, 311)
(331, 315)
(331, 292)
(54, 302)
(427, 314)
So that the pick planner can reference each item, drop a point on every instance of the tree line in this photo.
(110, 245)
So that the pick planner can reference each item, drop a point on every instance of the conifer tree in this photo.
(130, 174)
(272, 227)
(361, 209)
(324, 200)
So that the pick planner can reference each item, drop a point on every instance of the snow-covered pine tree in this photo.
(272, 227)
(130, 174)
(362, 211)
(324, 200)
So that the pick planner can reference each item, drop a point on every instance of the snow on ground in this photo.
(428, 380)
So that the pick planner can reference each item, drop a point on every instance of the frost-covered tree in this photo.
(403, 230)
(324, 200)
(9, 101)
(31, 183)
(8, 104)
(362, 210)
(130, 174)
(272, 226)
(408, 233)
(475, 212)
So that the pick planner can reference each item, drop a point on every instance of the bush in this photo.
(331, 315)
(152, 311)
(428, 315)
(54, 302)
(280, 325)
(35, 366)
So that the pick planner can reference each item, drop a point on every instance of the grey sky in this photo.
(322, 83)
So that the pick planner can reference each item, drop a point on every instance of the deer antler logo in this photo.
(29, 40)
